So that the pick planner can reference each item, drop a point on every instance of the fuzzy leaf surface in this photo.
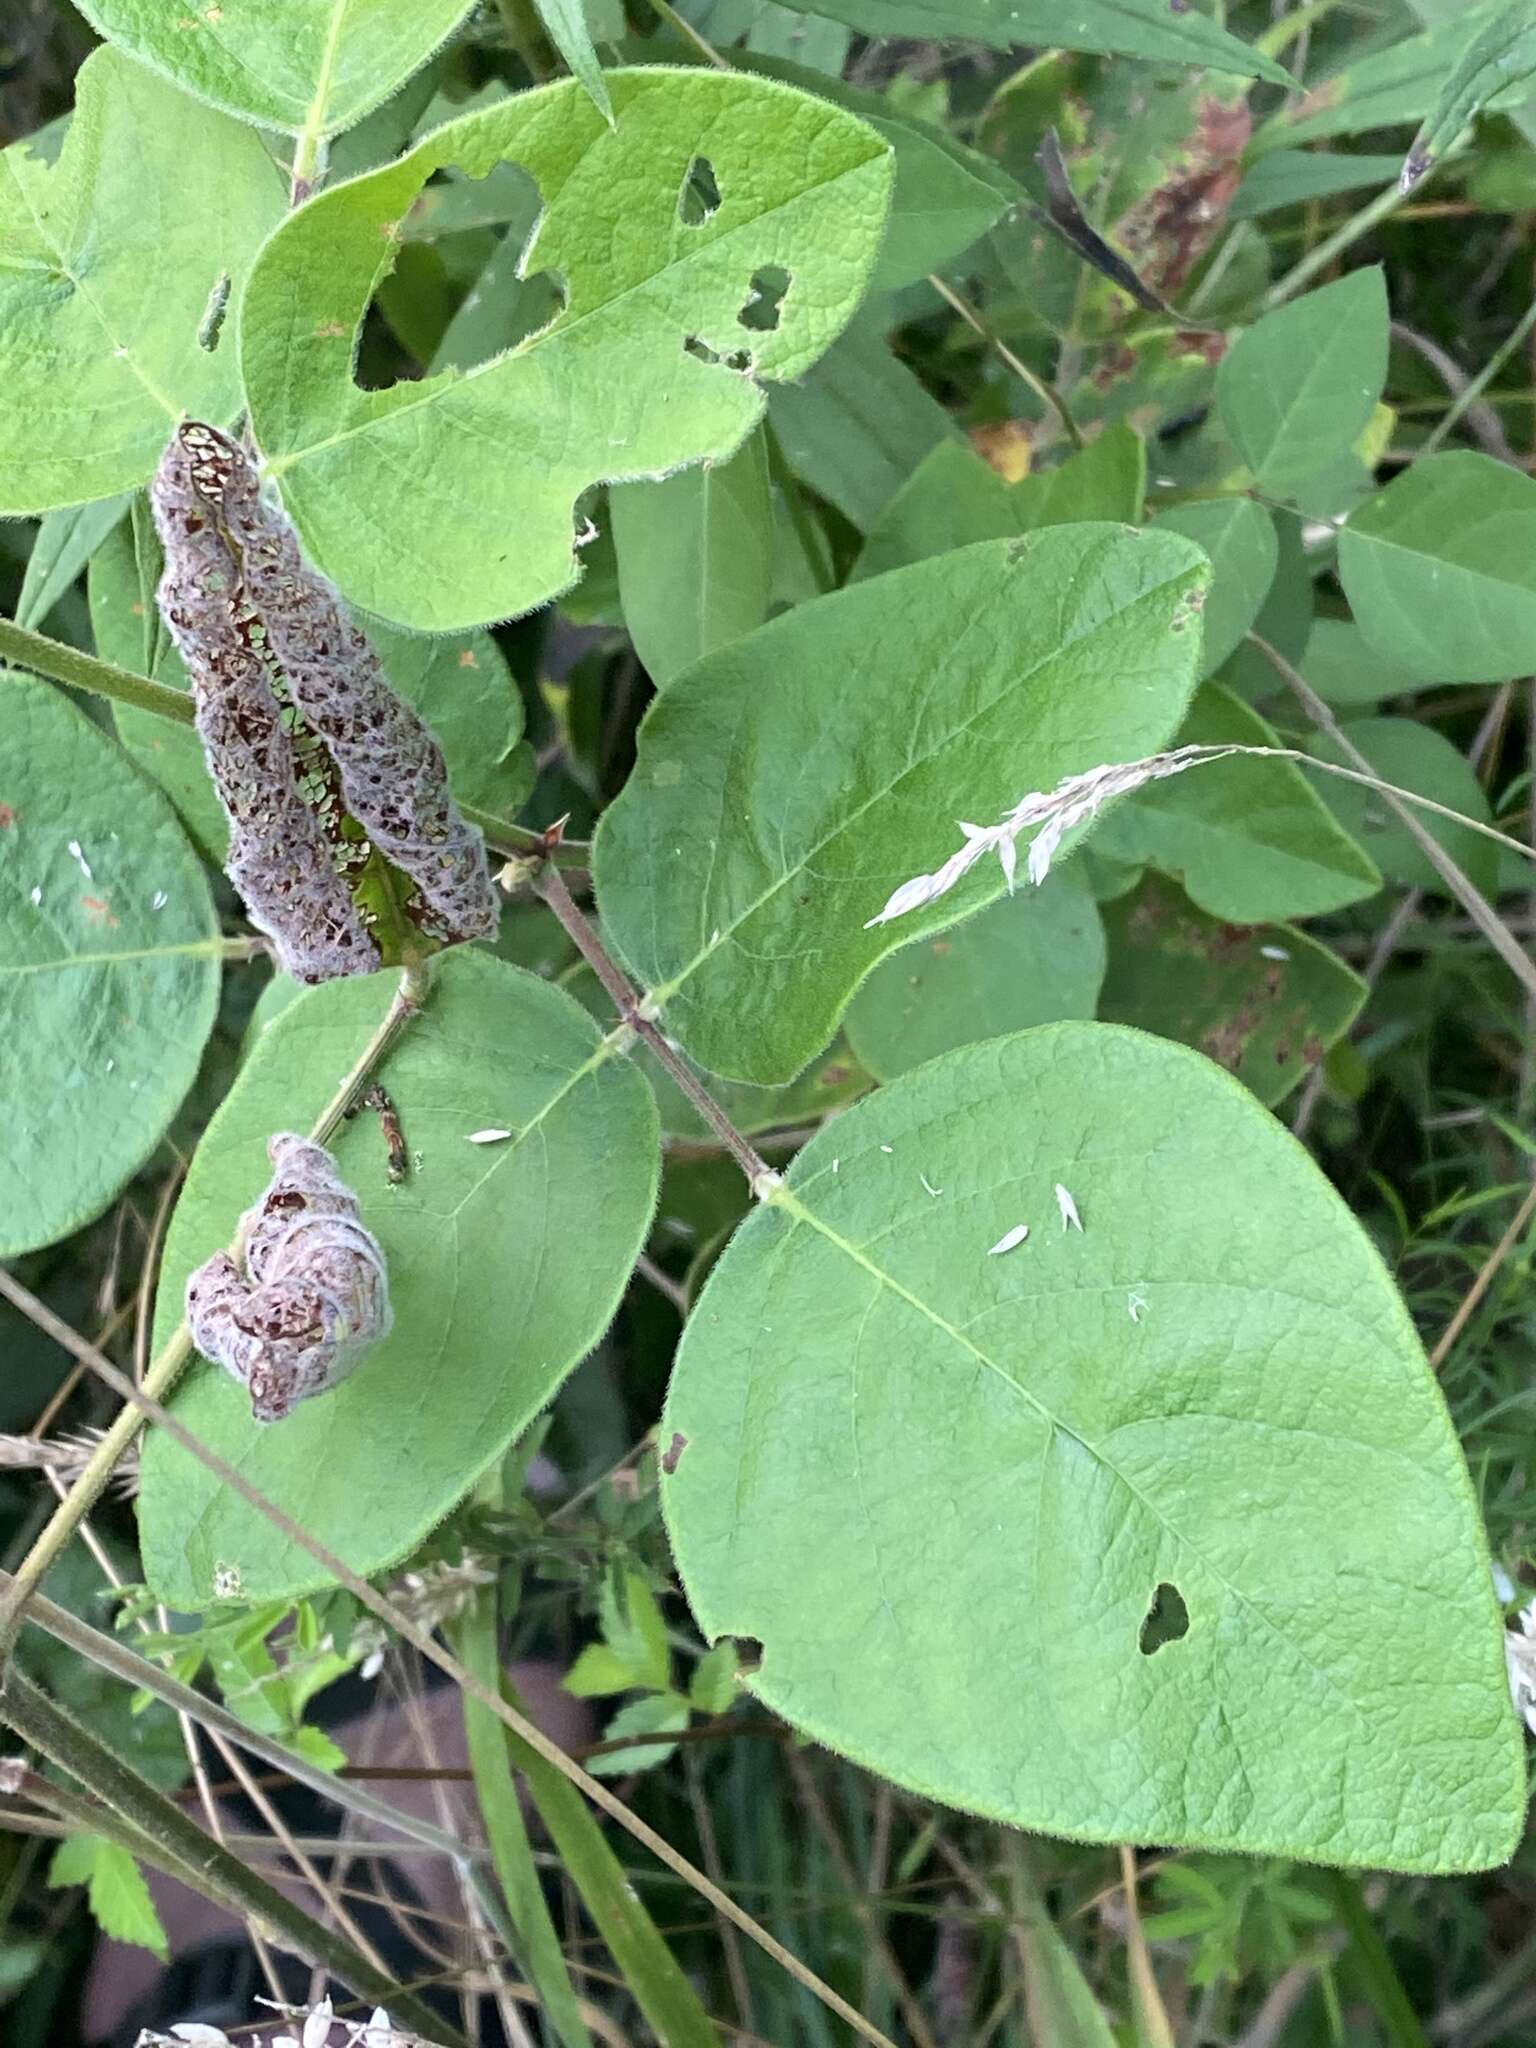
(108, 260)
(448, 501)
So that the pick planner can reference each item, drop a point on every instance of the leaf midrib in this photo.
(191, 949)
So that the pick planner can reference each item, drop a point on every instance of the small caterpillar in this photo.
(233, 568)
(314, 1294)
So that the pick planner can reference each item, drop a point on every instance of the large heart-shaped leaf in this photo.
(650, 363)
(109, 966)
(945, 1491)
(312, 65)
(109, 259)
(1440, 569)
(488, 1320)
(786, 785)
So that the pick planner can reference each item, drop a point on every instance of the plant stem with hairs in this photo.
(551, 888)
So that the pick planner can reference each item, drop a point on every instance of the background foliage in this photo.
(766, 439)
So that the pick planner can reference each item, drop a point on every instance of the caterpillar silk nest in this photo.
(264, 637)
(314, 1294)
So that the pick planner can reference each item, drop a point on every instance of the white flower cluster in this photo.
(438, 1593)
(247, 612)
(315, 1293)
(320, 2029)
(1056, 811)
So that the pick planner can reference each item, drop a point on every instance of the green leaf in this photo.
(1033, 958)
(953, 498)
(1058, 1998)
(1264, 1001)
(634, 1629)
(1292, 177)
(982, 674)
(109, 967)
(1239, 537)
(658, 1713)
(1386, 87)
(1502, 54)
(565, 23)
(945, 196)
(1440, 569)
(660, 1989)
(315, 65)
(612, 386)
(858, 426)
(1300, 386)
(695, 558)
(598, 1671)
(459, 682)
(1118, 28)
(1415, 757)
(943, 1489)
(713, 1685)
(65, 542)
(148, 185)
(488, 1321)
(119, 1898)
(1285, 619)
(1249, 840)
(1344, 668)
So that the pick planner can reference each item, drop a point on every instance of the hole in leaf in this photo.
(700, 350)
(765, 297)
(426, 315)
(700, 195)
(749, 1655)
(1167, 1620)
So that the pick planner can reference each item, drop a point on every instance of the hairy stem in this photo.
(1460, 884)
(550, 887)
(172, 1360)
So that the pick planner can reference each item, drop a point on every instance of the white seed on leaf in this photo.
(489, 1136)
(1009, 1241)
(1070, 1220)
(1275, 952)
